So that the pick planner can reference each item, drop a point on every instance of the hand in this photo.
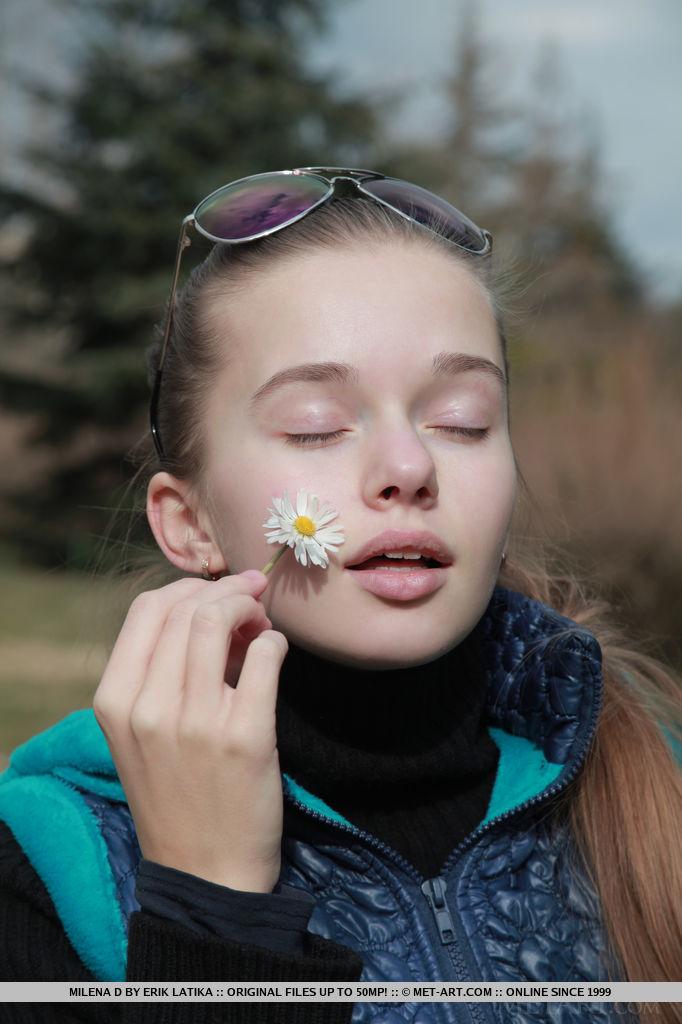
(187, 706)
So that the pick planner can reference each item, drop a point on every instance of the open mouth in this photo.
(397, 564)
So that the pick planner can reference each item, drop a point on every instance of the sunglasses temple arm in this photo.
(183, 242)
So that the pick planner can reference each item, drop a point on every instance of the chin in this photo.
(378, 653)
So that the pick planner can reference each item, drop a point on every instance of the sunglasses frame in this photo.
(338, 174)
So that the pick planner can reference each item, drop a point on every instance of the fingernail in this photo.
(255, 574)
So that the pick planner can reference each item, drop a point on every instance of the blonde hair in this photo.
(625, 806)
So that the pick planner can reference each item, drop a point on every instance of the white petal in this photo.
(278, 537)
(301, 553)
(326, 517)
(301, 503)
(288, 509)
(315, 548)
(315, 552)
(329, 536)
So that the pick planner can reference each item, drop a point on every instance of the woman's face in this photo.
(388, 313)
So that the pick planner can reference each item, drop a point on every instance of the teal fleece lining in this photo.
(55, 828)
(61, 838)
(522, 772)
(75, 749)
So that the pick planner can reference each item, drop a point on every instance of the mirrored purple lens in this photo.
(248, 208)
(424, 206)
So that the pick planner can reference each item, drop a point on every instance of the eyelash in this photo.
(301, 440)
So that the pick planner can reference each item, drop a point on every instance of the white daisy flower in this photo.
(305, 529)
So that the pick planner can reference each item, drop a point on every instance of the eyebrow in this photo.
(444, 364)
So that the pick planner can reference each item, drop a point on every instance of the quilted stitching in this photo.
(518, 895)
(117, 825)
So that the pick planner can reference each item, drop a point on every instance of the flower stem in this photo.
(274, 558)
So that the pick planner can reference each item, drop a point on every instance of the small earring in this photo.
(206, 573)
(504, 557)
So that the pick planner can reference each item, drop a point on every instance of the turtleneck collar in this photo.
(339, 726)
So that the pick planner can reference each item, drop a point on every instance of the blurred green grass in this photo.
(47, 603)
(52, 655)
(28, 707)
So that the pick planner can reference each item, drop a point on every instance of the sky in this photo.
(620, 60)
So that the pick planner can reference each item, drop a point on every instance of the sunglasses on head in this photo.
(261, 204)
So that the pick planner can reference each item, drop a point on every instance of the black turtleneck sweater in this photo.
(403, 754)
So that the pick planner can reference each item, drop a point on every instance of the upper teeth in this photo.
(402, 554)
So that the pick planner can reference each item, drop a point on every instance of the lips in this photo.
(429, 545)
(407, 584)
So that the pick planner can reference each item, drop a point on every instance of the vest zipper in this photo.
(480, 830)
(434, 891)
(468, 841)
(434, 888)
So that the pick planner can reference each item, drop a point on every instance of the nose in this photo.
(401, 471)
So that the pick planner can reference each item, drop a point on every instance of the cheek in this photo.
(246, 483)
(482, 495)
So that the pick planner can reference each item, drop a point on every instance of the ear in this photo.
(176, 527)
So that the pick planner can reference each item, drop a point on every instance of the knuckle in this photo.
(102, 710)
(209, 615)
(143, 602)
(154, 600)
(192, 731)
(238, 742)
(224, 610)
(100, 704)
(181, 612)
(185, 585)
(106, 704)
(271, 643)
(145, 722)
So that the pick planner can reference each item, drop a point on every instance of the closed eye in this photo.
(303, 439)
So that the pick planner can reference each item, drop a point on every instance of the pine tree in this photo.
(473, 155)
(530, 173)
(559, 216)
(173, 98)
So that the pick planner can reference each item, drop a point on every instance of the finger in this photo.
(138, 638)
(161, 695)
(210, 638)
(254, 700)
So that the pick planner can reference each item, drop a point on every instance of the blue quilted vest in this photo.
(511, 902)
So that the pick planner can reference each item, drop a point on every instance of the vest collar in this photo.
(544, 697)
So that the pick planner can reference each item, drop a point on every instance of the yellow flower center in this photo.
(304, 525)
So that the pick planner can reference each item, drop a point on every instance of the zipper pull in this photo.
(434, 890)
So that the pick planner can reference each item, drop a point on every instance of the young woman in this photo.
(458, 771)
